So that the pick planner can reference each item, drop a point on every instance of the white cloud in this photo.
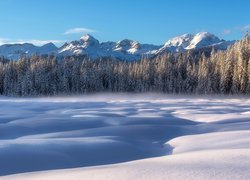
(80, 31)
(247, 27)
(4, 41)
(236, 29)
(227, 31)
(32, 41)
(244, 28)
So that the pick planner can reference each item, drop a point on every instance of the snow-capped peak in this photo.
(125, 45)
(203, 39)
(125, 42)
(197, 41)
(87, 38)
(182, 40)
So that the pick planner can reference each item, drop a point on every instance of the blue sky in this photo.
(147, 21)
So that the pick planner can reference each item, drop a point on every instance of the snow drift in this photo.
(173, 138)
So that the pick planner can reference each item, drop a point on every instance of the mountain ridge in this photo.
(125, 49)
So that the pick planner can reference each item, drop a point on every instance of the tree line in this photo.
(219, 72)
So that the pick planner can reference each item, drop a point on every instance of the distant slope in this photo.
(15, 51)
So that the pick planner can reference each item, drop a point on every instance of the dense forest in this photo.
(219, 72)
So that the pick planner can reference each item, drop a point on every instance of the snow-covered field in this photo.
(129, 136)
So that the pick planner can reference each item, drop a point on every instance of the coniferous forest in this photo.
(216, 72)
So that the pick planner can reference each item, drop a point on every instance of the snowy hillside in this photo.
(162, 137)
(125, 49)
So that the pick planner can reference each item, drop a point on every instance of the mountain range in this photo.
(125, 49)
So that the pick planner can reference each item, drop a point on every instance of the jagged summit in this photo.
(87, 38)
(182, 40)
(126, 44)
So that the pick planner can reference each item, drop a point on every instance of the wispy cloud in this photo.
(39, 42)
(243, 28)
(4, 41)
(32, 41)
(80, 31)
(236, 29)
(227, 31)
(246, 28)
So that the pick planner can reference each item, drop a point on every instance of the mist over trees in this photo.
(221, 72)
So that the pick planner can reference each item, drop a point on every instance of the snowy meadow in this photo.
(125, 136)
